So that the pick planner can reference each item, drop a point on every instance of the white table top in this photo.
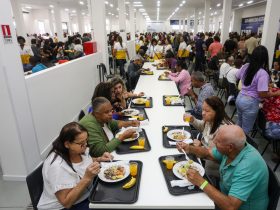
(153, 193)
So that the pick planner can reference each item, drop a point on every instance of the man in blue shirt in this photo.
(244, 173)
(37, 66)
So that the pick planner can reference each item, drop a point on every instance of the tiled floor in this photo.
(14, 195)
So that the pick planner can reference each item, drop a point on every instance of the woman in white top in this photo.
(68, 171)
(213, 115)
(120, 52)
(25, 53)
(155, 50)
(182, 51)
(167, 46)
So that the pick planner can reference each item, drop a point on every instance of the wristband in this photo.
(204, 184)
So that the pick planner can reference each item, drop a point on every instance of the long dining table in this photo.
(153, 192)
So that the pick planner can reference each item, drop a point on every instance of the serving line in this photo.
(153, 193)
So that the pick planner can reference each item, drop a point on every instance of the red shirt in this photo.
(214, 48)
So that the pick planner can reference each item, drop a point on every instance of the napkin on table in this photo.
(187, 141)
(180, 183)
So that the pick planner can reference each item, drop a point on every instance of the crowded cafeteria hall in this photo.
(139, 104)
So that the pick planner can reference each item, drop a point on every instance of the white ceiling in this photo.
(167, 7)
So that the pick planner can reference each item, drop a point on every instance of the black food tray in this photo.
(164, 102)
(167, 79)
(165, 139)
(141, 105)
(113, 193)
(142, 73)
(141, 110)
(123, 148)
(169, 176)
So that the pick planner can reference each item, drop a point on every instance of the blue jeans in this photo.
(247, 110)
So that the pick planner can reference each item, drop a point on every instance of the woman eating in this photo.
(68, 170)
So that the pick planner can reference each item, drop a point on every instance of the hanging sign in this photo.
(6, 33)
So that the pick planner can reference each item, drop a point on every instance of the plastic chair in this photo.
(81, 115)
(35, 185)
(103, 72)
(273, 190)
(251, 141)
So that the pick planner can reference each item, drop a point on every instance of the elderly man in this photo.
(101, 128)
(206, 90)
(134, 70)
(244, 174)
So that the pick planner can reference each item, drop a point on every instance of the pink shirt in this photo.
(214, 48)
(183, 81)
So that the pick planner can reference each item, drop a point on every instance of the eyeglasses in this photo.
(82, 144)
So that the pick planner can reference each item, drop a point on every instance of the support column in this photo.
(19, 149)
(236, 25)
(122, 19)
(18, 15)
(195, 21)
(216, 23)
(99, 29)
(91, 19)
(81, 23)
(138, 21)
(206, 15)
(70, 25)
(270, 27)
(184, 24)
(51, 22)
(227, 4)
(58, 24)
(132, 21)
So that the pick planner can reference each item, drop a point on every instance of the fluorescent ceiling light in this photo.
(83, 13)
(51, 6)
(52, 11)
(28, 7)
(111, 5)
(138, 5)
(240, 5)
(210, 8)
(218, 5)
(74, 11)
(81, 2)
(250, 2)
(137, 2)
(66, 9)
(118, 9)
(127, 2)
(106, 2)
(181, 5)
(215, 13)
(183, 2)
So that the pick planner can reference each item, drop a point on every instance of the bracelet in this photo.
(204, 184)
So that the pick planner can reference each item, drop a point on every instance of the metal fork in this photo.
(187, 157)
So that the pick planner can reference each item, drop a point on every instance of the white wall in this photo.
(131, 48)
(58, 94)
(157, 27)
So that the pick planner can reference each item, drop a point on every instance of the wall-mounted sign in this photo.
(252, 24)
(6, 33)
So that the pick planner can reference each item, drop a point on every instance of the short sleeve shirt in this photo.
(259, 83)
(245, 178)
(205, 92)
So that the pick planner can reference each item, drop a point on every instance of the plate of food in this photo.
(139, 101)
(174, 99)
(178, 135)
(114, 172)
(162, 76)
(129, 139)
(181, 168)
(130, 112)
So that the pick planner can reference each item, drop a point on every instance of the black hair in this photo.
(217, 38)
(182, 64)
(103, 89)
(169, 54)
(77, 41)
(20, 38)
(258, 59)
(69, 132)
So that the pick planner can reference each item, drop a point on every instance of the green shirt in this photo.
(245, 178)
(97, 138)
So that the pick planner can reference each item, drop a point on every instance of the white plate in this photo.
(135, 101)
(170, 134)
(101, 174)
(197, 166)
(129, 139)
(130, 112)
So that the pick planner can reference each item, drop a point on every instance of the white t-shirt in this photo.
(224, 69)
(79, 48)
(182, 46)
(231, 75)
(167, 47)
(58, 176)
(117, 46)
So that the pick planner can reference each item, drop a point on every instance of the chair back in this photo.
(81, 115)
(35, 185)
(273, 190)
(261, 121)
(251, 141)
